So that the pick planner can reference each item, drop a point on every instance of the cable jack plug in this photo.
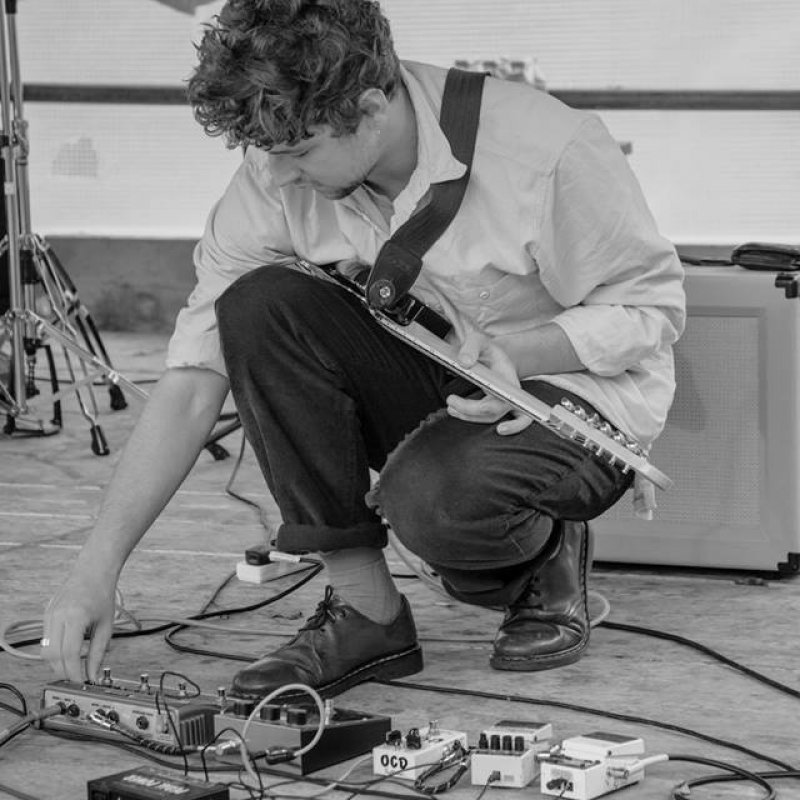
(559, 784)
(100, 719)
(221, 748)
(279, 755)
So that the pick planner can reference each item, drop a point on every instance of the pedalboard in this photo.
(292, 726)
(169, 718)
(585, 767)
(509, 749)
(146, 783)
(408, 756)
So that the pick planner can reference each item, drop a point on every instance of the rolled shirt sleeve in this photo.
(601, 257)
(245, 229)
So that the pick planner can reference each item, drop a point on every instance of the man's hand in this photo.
(84, 603)
(477, 347)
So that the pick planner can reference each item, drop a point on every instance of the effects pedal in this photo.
(134, 705)
(589, 766)
(509, 749)
(146, 783)
(347, 733)
(409, 756)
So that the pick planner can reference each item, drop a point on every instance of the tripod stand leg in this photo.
(62, 292)
(98, 439)
(90, 334)
(58, 419)
(212, 444)
(37, 278)
(29, 426)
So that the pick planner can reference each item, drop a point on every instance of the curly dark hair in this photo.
(270, 69)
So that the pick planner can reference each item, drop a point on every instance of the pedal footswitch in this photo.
(509, 749)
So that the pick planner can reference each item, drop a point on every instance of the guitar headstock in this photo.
(604, 440)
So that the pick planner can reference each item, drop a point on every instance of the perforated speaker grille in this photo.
(711, 446)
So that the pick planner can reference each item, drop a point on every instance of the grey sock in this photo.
(361, 577)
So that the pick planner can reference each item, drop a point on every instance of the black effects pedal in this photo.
(347, 734)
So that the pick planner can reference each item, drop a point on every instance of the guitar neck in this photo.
(568, 420)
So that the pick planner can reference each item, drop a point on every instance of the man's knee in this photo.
(253, 295)
(453, 502)
(429, 495)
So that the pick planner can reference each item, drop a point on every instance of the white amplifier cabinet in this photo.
(732, 441)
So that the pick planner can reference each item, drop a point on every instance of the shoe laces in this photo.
(323, 613)
(531, 598)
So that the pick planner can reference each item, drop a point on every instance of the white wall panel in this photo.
(123, 170)
(649, 44)
(716, 177)
(705, 44)
(107, 41)
(709, 176)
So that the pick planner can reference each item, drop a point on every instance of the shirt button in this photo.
(484, 295)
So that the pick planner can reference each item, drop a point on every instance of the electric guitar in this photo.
(568, 419)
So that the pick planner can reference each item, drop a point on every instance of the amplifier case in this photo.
(732, 440)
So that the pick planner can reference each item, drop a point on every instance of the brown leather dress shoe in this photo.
(549, 625)
(335, 650)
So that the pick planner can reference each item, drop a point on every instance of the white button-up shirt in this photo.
(553, 228)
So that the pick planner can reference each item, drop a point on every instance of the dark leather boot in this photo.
(336, 649)
(548, 626)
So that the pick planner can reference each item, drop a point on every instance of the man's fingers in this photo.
(69, 650)
(469, 352)
(51, 645)
(97, 649)
(508, 427)
(484, 409)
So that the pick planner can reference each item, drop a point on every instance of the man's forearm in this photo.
(163, 447)
(546, 350)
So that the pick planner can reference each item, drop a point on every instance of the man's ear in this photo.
(374, 104)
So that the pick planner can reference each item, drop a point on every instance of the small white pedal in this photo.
(408, 756)
(509, 749)
(585, 767)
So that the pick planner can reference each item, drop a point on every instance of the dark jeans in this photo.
(324, 393)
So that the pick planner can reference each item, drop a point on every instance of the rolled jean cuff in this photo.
(295, 538)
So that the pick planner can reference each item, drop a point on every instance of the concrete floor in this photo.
(49, 491)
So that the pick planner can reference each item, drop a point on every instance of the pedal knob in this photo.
(296, 716)
(270, 713)
(242, 706)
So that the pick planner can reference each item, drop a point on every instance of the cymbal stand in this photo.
(43, 302)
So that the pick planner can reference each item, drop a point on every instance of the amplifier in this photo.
(732, 440)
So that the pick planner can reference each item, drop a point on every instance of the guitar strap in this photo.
(400, 259)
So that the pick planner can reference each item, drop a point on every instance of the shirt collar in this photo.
(435, 160)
